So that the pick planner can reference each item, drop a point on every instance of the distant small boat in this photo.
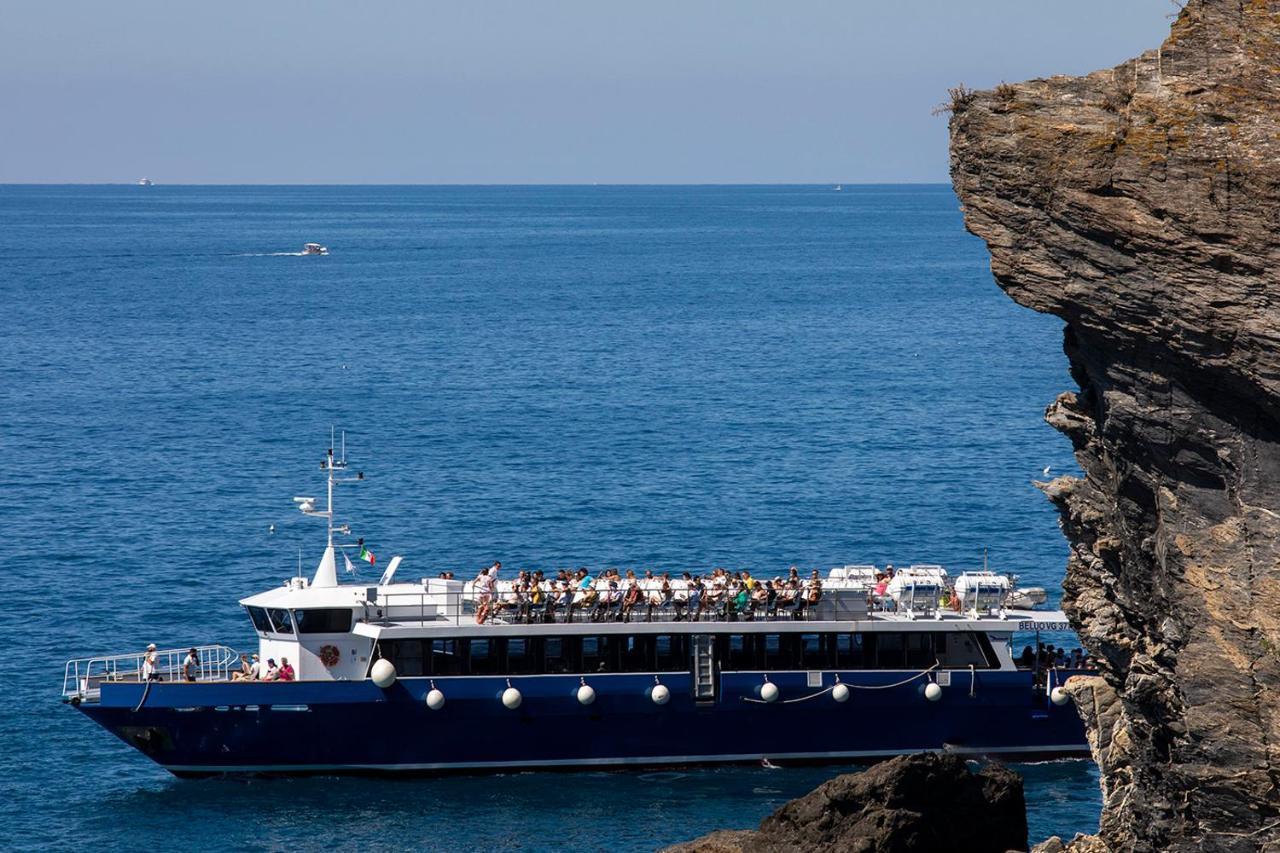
(144, 182)
(839, 187)
(314, 249)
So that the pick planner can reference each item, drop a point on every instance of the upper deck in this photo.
(658, 605)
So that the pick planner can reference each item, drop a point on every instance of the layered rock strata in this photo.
(910, 803)
(1141, 204)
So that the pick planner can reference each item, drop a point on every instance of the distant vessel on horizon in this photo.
(839, 187)
(144, 182)
(314, 249)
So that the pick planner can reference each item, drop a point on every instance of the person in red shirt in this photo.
(286, 670)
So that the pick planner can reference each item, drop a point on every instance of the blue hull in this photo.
(326, 727)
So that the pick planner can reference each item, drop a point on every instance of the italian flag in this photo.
(367, 555)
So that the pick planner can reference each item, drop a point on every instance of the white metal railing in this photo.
(83, 677)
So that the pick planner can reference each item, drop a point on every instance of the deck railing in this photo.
(83, 678)
(420, 608)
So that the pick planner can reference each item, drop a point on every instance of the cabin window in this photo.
(281, 620)
(521, 656)
(776, 648)
(408, 657)
(847, 649)
(671, 652)
(920, 650)
(600, 654)
(890, 651)
(484, 657)
(445, 659)
(637, 653)
(558, 655)
(813, 652)
(329, 620)
(259, 618)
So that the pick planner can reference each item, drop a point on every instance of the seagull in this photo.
(271, 529)
(1045, 472)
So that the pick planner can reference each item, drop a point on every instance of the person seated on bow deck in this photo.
(246, 670)
(273, 671)
(286, 671)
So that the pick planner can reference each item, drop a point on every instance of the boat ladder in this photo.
(704, 668)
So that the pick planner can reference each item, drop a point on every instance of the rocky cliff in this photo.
(1141, 204)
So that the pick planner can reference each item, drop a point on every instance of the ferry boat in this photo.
(406, 676)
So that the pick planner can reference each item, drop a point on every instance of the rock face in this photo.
(910, 804)
(1141, 204)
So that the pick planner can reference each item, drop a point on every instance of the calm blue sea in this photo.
(633, 376)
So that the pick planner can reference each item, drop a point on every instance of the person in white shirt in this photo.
(149, 672)
(259, 670)
(483, 588)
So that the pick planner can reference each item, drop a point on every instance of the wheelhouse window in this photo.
(327, 620)
(280, 620)
(259, 618)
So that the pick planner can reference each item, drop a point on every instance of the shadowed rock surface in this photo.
(1141, 204)
(911, 803)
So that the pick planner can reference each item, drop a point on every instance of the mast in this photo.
(327, 570)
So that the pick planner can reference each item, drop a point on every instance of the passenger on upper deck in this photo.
(484, 584)
(286, 670)
(246, 670)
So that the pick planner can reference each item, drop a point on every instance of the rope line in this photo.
(920, 674)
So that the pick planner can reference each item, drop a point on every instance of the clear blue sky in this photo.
(659, 91)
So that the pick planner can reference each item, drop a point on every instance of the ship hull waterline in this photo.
(355, 727)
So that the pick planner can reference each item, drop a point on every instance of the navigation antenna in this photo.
(334, 468)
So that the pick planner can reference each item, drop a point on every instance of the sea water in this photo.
(667, 377)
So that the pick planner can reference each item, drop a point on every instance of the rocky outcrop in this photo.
(913, 803)
(1141, 204)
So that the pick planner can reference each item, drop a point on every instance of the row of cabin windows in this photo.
(670, 653)
(325, 620)
(537, 655)
(871, 650)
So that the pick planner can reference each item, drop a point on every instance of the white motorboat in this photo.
(314, 249)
